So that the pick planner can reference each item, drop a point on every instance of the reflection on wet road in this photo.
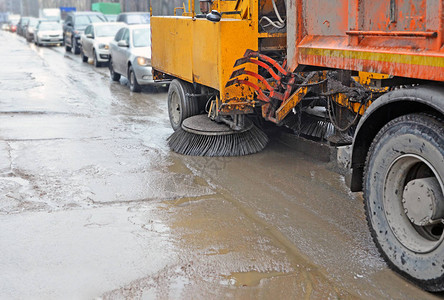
(93, 203)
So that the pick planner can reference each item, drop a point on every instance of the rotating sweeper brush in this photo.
(200, 136)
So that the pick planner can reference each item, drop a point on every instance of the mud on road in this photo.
(94, 205)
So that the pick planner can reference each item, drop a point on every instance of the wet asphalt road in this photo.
(94, 205)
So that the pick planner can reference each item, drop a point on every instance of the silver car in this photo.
(48, 33)
(94, 42)
(130, 56)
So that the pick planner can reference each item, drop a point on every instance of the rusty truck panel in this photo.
(397, 37)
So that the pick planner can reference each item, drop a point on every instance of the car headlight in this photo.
(103, 46)
(143, 61)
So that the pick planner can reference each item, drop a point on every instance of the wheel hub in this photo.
(423, 201)
(175, 108)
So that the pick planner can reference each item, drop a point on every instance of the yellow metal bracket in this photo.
(244, 7)
(291, 102)
(183, 8)
(294, 99)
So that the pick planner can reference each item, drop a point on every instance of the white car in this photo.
(94, 42)
(130, 56)
(48, 33)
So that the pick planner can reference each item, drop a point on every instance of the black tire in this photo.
(114, 76)
(67, 48)
(134, 85)
(84, 57)
(180, 106)
(75, 46)
(96, 61)
(407, 150)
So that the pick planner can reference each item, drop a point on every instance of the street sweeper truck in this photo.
(366, 73)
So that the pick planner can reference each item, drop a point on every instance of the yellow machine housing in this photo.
(202, 52)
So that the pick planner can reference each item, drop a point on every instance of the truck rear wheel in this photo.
(180, 106)
(404, 203)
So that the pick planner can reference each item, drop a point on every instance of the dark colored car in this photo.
(21, 25)
(75, 24)
(131, 18)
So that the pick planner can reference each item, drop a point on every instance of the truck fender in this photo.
(426, 98)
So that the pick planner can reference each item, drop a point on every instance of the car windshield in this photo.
(96, 18)
(50, 26)
(142, 37)
(52, 18)
(138, 19)
(83, 21)
(33, 22)
(14, 21)
(111, 18)
(108, 30)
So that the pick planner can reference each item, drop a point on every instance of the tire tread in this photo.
(434, 124)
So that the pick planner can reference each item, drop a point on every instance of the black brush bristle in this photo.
(233, 144)
(317, 128)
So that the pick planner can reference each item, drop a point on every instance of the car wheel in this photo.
(84, 57)
(134, 85)
(114, 76)
(75, 46)
(404, 203)
(180, 106)
(96, 61)
(67, 48)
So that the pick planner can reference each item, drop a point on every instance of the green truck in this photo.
(107, 8)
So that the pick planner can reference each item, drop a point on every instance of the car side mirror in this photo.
(90, 36)
(122, 43)
(214, 16)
